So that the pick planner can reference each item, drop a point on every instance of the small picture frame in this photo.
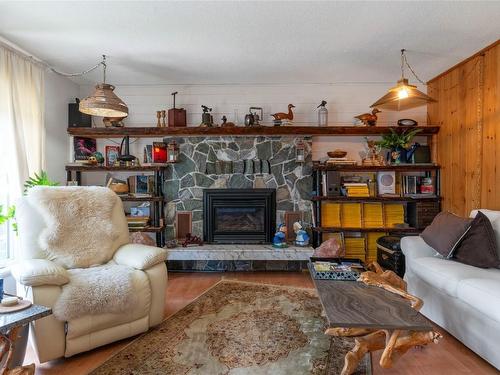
(112, 153)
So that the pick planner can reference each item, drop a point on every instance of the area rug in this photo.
(239, 328)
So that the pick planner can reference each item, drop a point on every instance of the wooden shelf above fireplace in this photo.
(195, 131)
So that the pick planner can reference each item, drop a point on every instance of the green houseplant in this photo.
(41, 179)
(398, 143)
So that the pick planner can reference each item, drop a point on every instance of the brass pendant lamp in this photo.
(104, 102)
(403, 96)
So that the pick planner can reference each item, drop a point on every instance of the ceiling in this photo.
(250, 42)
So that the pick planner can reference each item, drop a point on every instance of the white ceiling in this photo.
(250, 42)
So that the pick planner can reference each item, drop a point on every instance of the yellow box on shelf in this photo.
(394, 213)
(371, 246)
(330, 214)
(355, 247)
(373, 215)
(351, 215)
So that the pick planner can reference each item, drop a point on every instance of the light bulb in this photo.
(403, 93)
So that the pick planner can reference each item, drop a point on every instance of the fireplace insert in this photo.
(239, 215)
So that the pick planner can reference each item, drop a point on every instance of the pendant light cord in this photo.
(404, 61)
(102, 62)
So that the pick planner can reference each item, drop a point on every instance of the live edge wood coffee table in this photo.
(378, 312)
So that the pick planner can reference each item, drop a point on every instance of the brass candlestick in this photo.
(158, 116)
(163, 117)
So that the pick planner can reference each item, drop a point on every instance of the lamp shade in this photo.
(104, 102)
(401, 97)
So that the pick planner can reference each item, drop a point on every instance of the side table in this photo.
(10, 326)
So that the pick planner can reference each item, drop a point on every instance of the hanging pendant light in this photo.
(104, 102)
(403, 96)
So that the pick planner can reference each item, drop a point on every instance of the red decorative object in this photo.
(192, 240)
(330, 249)
(159, 152)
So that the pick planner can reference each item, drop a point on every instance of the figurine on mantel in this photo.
(301, 236)
(280, 116)
(226, 124)
(279, 240)
(369, 119)
(207, 120)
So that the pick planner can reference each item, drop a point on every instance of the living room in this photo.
(244, 187)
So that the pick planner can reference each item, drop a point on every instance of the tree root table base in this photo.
(7, 343)
(394, 343)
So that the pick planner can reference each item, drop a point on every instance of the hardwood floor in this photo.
(447, 357)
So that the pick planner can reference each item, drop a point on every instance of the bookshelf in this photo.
(74, 173)
(361, 220)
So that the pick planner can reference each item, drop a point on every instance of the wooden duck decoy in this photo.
(369, 119)
(284, 116)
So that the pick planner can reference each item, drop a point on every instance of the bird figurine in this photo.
(284, 116)
(369, 119)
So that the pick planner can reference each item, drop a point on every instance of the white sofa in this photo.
(41, 281)
(462, 299)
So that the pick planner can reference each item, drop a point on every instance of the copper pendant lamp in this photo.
(104, 102)
(403, 96)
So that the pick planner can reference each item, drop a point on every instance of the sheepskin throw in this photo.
(80, 231)
(96, 290)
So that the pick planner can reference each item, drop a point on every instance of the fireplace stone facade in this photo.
(237, 163)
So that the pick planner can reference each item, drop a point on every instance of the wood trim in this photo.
(478, 53)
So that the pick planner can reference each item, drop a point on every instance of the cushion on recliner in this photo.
(483, 294)
(494, 217)
(446, 274)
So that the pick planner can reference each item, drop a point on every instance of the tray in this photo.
(335, 275)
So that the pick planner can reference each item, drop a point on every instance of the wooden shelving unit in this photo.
(373, 168)
(74, 172)
(375, 199)
(359, 229)
(195, 131)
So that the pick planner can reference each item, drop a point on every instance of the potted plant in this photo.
(398, 143)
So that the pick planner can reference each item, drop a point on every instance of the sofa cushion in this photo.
(445, 232)
(92, 323)
(478, 247)
(494, 217)
(483, 294)
(446, 275)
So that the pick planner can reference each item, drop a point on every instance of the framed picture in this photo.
(112, 153)
(84, 147)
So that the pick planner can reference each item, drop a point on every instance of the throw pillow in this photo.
(478, 248)
(445, 232)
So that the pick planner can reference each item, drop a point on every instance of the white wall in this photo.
(345, 100)
(59, 91)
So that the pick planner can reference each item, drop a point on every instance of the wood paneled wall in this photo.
(467, 110)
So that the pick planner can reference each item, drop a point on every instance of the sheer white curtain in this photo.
(21, 117)
(22, 129)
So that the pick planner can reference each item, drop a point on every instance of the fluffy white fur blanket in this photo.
(80, 231)
(96, 290)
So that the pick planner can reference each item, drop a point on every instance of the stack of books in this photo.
(357, 190)
(373, 215)
(394, 214)
(351, 215)
(371, 245)
(355, 248)
(137, 222)
(340, 161)
(330, 214)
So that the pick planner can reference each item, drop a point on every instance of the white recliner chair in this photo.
(41, 275)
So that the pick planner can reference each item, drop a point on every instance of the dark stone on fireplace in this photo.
(242, 265)
(179, 206)
(282, 193)
(184, 166)
(212, 157)
(285, 206)
(277, 171)
(239, 181)
(289, 166)
(264, 150)
(193, 204)
(171, 189)
(187, 181)
(170, 231)
(201, 161)
(197, 215)
(203, 148)
(185, 194)
(290, 180)
(186, 149)
(238, 166)
(210, 168)
(233, 146)
(259, 265)
(203, 180)
(277, 265)
(304, 186)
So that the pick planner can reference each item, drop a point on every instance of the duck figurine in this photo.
(369, 119)
(284, 116)
(279, 240)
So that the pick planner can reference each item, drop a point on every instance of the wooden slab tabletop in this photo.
(352, 304)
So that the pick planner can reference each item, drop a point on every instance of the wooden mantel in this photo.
(155, 132)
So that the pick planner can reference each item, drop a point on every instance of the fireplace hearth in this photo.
(240, 216)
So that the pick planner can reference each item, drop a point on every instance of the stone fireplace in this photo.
(239, 216)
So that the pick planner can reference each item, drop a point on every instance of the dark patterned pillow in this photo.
(445, 232)
(478, 248)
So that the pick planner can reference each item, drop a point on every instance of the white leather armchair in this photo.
(41, 280)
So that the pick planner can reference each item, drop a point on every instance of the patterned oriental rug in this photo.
(239, 328)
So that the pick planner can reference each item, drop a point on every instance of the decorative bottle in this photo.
(322, 114)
